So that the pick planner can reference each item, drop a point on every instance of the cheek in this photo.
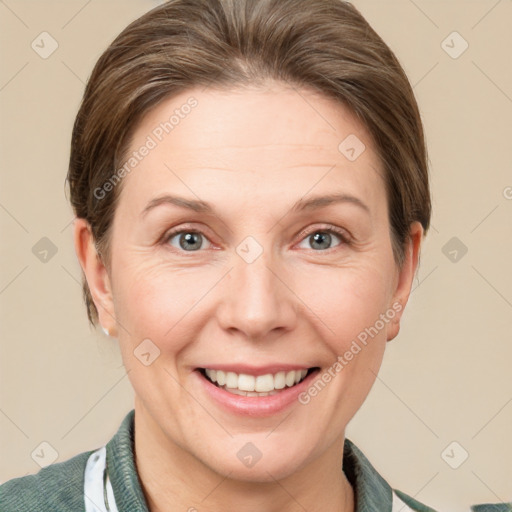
(157, 304)
(155, 301)
(347, 301)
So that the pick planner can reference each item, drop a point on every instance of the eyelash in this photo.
(328, 228)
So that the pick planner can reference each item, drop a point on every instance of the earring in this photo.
(106, 331)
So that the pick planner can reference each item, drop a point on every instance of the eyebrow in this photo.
(301, 205)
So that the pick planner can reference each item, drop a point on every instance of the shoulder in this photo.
(417, 506)
(56, 487)
(498, 507)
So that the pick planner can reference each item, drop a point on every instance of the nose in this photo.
(258, 301)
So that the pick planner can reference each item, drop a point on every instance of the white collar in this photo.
(98, 493)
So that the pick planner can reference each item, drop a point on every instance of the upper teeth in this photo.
(261, 383)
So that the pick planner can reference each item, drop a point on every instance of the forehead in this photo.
(285, 139)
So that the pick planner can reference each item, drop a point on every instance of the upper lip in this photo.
(256, 370)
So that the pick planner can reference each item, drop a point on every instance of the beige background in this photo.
(445, 378)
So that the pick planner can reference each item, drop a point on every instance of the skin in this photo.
(251, 153)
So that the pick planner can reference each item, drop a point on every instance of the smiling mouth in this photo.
(255, 386)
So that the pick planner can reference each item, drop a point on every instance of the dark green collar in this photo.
(371, 491)
(121, 468)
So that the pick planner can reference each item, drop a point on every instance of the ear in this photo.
(95, 273)
(405, 277)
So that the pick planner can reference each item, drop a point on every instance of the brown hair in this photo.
(326, 45)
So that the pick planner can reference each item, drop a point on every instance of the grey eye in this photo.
(187, 240)
(321, 240)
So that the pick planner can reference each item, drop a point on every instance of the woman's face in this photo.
(252, 239)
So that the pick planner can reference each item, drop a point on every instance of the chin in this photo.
(261, 472)
(257, 461)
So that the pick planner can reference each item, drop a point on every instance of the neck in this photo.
(174, 480)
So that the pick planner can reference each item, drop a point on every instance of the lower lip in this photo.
(253, 405)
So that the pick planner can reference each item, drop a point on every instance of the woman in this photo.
(250, 185)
